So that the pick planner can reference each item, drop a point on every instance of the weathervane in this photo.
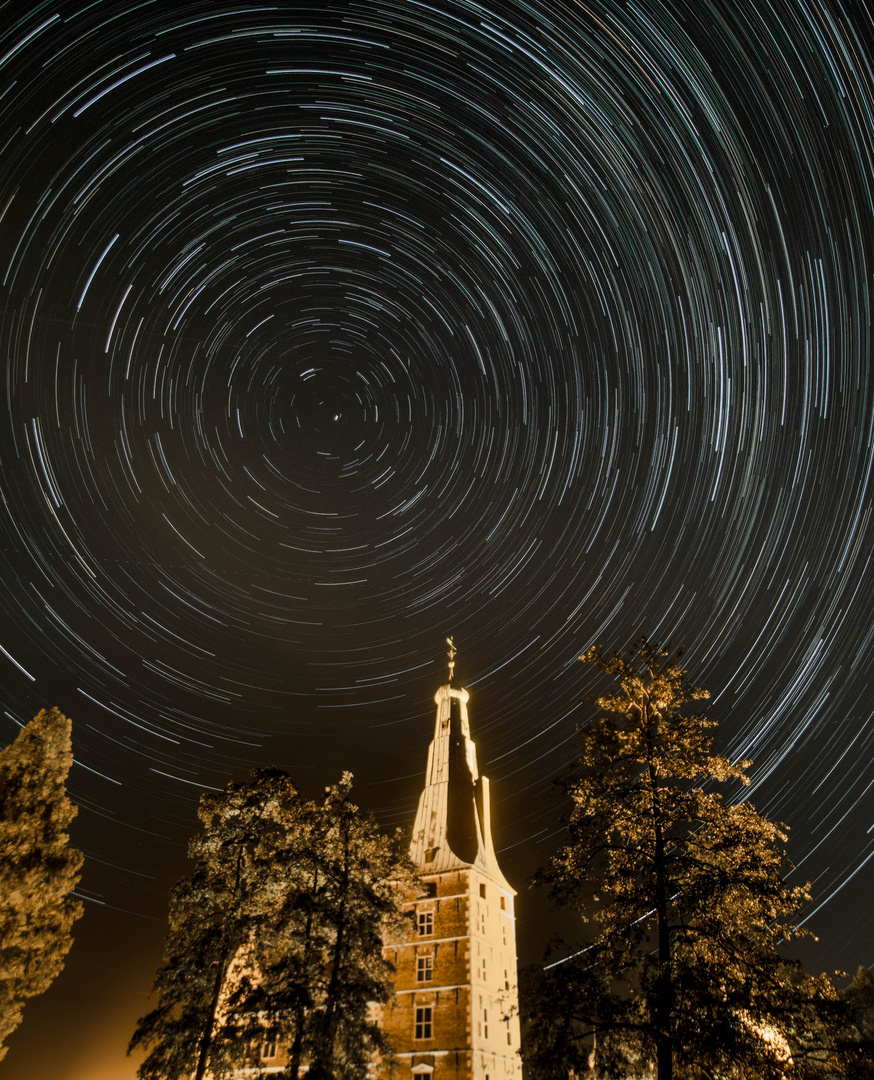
(451, 655)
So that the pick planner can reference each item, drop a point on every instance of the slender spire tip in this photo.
(451, 655)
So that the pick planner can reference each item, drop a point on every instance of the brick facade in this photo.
(455, 1015)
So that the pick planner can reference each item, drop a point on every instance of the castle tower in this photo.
(455, 1016)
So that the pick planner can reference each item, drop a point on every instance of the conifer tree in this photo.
(365, 873)
(213, 915)
(682, 973)
(275, 937)
(38, 868)
(317, 960)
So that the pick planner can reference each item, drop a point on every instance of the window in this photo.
(482, 891)
(425, 923)
(485, 1023)
(503, 904)
(268, 1050)
(423, 1021)
(424, 968)
(429, 888)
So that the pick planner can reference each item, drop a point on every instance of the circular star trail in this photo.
(333, 329)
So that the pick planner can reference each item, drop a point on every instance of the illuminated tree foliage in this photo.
(276, 937)
(363, 875)
(838, 1040)
(682, 975)
(38, 868)
(212, 914)
(855, 1048)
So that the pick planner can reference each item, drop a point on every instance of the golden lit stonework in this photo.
(455, 1014)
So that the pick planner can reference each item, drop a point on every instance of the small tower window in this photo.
(482, 891)
(423, 1022)
(268, 1050)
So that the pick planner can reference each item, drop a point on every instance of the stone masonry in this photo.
(455, 1016)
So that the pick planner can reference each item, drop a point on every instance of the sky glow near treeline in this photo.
(331, 330)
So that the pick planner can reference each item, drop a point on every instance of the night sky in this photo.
(331, 330)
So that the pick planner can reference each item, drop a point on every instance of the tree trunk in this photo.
(221, 971)
(300, 1011)
(664, 1002)
(663, 1006)
(206, 1037)
(326, 1049)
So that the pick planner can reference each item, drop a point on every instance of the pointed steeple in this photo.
(453, 652)
(453, 823)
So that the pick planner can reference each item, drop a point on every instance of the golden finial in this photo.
(451, 655)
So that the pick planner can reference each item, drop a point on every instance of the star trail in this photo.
(332, 329)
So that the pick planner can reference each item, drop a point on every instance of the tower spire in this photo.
(451, 655)
(453, 824)
(455, 1015)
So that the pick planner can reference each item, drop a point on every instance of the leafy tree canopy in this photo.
(276, 937)
(38, 868)
(688, 900)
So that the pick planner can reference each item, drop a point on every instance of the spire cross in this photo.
(451, 655)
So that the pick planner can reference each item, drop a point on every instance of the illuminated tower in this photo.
(455, 1016)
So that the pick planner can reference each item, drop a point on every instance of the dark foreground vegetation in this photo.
(684, 972)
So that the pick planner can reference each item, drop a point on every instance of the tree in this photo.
(318, 963)
(856, 1035)
(689, 899)
(837, 1041)
(38, 868)
(275, 937)
(365, 875)
(211, 917)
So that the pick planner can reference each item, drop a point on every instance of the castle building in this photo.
(455, 1015)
